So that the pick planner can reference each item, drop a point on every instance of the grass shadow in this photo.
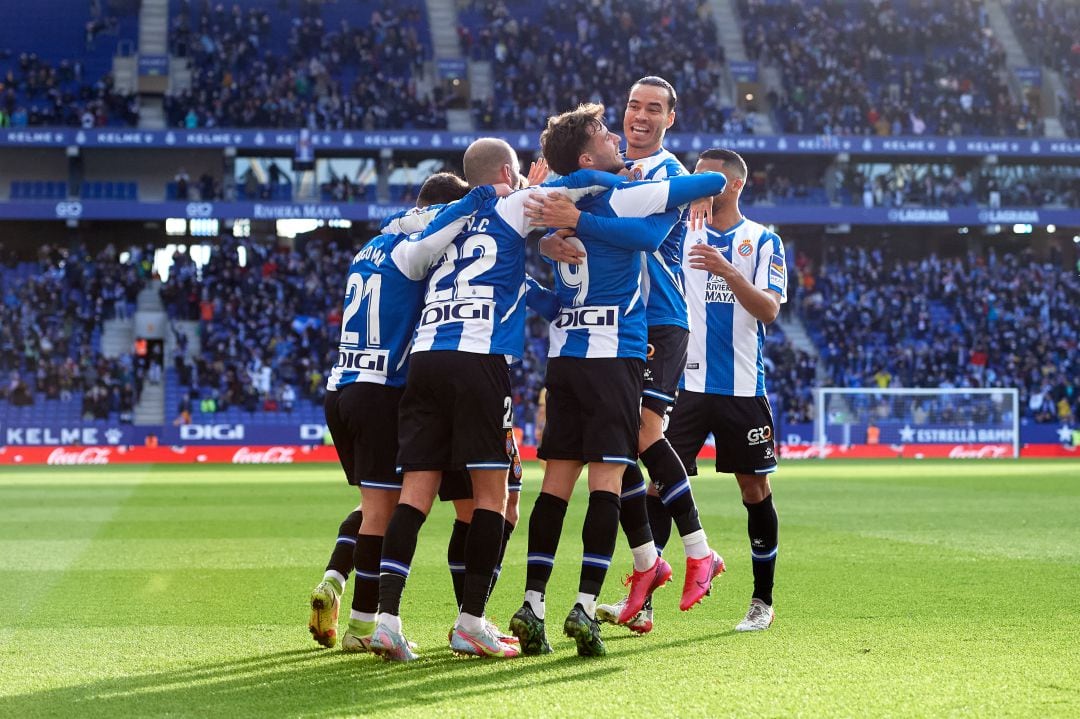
(319, 682)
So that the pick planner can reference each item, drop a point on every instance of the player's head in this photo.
(650, 111)
(441, 188)
(732, 165)
(579, 139)
(490, 161)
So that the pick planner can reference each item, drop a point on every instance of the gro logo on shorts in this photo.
(759, 435)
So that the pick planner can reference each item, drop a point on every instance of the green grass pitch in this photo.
(903, 589)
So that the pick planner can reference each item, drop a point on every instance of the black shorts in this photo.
(455, 412)
(363, 421)
(456, 484)
(593, 409)
(664, 367)
(743, 428)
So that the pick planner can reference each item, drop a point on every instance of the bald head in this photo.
(486, 161)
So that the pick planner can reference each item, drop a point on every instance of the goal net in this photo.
(975, 422)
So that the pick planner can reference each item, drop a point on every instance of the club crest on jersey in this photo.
(746, 248)
(637, 172)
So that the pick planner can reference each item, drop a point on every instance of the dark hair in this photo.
(728, 157)
(657, 81)
(440, 188)
(566, 135)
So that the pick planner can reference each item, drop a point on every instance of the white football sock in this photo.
(644, 556)
(535, 600)
(696, 545)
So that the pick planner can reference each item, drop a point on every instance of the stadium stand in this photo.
(903, 67)
(252, 67)
(1048, 30)
(993, 320)
(51, 321)
(56, 64)
(556, 55)
(537, 51)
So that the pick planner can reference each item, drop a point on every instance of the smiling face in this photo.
(602, 151)
(647, 117)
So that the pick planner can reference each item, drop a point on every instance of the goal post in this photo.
(959, 416)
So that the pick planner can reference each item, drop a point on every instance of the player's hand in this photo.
(551, 209)
(556, 247)
(538, 172)
(708, 258)
(502, 189)
(700, 213)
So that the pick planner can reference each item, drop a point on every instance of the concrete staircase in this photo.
(443, 20)
(1016, 56)
(117, 337)
(125, 73)
(729, 29)
(150, 315)
(796, 333)
(153, 40)
(154, 27)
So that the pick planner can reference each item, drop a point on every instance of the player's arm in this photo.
(639, 199)
(632, 199)
(635, 233)
(762, 296)
(541, 300)
(409, 221)
(415, 256)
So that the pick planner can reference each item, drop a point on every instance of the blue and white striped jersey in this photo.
(603, 311)
(663, 285)
(381, 306)
(475, 296)
(382, 303)
(725, 352)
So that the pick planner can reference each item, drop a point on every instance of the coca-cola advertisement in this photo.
(86, 455)
(269, 455)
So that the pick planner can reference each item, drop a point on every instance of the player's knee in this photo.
(377, 516)
(463, 509)
(512, 515)
(651, 430)
(754, 487)
(605, 477)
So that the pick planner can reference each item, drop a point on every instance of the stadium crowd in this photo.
(563, 53)
(323, 78)
(993, 320)
(890, 68)
(34, 92)
(51, 315)
(1047, 28)
(270, 327)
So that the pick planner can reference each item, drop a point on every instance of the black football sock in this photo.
(455, 558)
(598, 535)
(341, 559)
(659, 521)
(366, 562)
(399, 546)
(668, 474)
(762, 525)
(482, 550)
(634, 515)
(545, 527)
(508, 529)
